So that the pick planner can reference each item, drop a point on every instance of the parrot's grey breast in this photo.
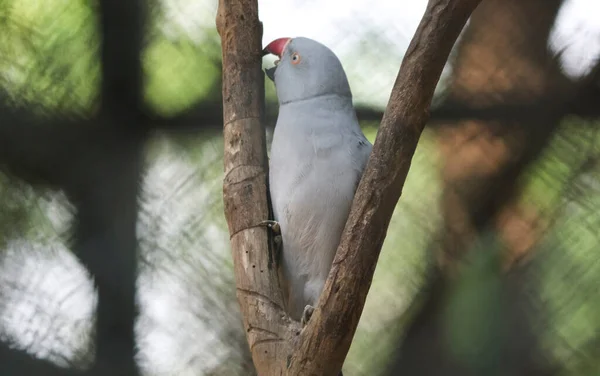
(316, 163)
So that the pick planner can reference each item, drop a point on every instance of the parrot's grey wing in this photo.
(361, 156)
(364, 151)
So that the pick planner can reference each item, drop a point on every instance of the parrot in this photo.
(318, 155)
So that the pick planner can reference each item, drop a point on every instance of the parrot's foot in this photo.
(273, 225)
(306, 315)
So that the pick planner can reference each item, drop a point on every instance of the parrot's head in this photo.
(305, 69)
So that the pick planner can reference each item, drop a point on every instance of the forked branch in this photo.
(319, 349)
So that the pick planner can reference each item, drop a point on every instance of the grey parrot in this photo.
(317, 158)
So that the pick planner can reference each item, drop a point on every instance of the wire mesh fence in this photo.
(112, 168)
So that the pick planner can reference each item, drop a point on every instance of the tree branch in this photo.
(269, 330)
(326, 340)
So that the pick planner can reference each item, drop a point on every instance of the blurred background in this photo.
(491, 265)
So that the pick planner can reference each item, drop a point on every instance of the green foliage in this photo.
(564, 184)
(49, 56)
(181, 80)
(476, 312)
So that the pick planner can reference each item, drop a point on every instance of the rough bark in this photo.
(268, 328)
(321, 347)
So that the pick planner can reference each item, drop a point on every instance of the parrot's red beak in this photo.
(276, 47)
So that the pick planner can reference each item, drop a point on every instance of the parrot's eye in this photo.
(295, 58)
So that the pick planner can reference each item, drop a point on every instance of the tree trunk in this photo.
(268, 329)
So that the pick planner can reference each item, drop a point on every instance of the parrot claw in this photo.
(273, 225)
(306, 315)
